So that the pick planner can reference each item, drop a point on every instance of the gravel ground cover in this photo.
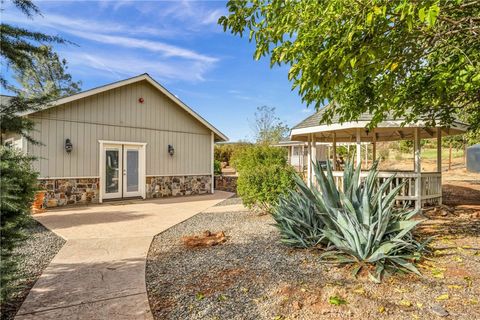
(253, 276)
(233, 200)
(35, 253)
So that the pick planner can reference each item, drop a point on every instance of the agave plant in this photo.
(299, 221)
(358, 223)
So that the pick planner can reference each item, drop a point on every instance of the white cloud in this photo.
(153, 46)
(126, 51)
(212, 17)
(59, 22)
(121, 66)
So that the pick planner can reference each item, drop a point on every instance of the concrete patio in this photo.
(100, 271)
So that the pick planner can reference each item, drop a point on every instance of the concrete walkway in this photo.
(100, 271)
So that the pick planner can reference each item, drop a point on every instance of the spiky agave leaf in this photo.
(298, 222)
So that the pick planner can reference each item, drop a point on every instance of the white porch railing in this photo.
(430, 186)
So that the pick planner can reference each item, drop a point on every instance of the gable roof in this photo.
(143, 77)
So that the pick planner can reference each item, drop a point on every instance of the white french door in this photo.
(122, 170)
(131, 171)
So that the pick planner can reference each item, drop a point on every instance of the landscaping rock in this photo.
(208, 239)
(438, 310)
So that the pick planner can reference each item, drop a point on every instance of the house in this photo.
(131, 138)
(297, 153)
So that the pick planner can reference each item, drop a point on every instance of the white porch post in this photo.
(213, 162)
(314, 151)
(418, 170)
(334, 151)
(439, 149)
(314, 156)
(359, 148)
(374, 146)
(366, 156)
(309, 161)
(439, 159)
(301, 163)
(289, 155)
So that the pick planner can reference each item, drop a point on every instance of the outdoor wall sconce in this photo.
(68, 145)
(171, 151)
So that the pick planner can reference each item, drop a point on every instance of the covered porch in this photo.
(420, 188)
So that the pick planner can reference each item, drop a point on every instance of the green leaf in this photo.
(433, 12)
(421, 14)
(353, 61)
(336, 300)
(369, 19)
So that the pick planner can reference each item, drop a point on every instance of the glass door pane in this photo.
(112, 171)
(132, 170)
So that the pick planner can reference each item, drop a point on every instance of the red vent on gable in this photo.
(140, 100)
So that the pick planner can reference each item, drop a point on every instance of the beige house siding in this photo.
(117, 115)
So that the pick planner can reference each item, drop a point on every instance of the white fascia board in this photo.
(362, 124)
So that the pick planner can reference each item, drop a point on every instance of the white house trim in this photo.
(122, 142)
(212, 183)
(66, 178)
(177, 174)
(121, 83)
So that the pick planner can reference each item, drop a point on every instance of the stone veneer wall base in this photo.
(61, 192)
(166, 186)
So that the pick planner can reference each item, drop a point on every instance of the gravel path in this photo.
(34, 254)
(252, 276)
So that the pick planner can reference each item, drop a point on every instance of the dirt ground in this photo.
(428, 165)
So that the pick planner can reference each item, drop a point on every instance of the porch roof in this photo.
(390, 129)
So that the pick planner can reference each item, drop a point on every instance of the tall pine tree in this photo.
(19, 50)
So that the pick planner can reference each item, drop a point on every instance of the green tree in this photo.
(17, 179)
(412, 59)
(18, 47)
(267, 127)
(45, 76)
(17, 186)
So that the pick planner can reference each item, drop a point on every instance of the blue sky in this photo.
(178, 43)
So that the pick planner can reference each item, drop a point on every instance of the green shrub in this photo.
(18, 183)
(224, 152)
(360, 225)
(263, 175)
(217, 167)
